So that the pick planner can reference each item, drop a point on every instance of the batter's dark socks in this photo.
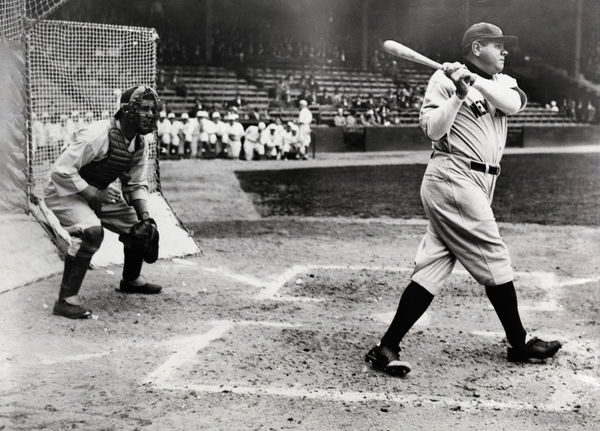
(413, 303)
(504, 299)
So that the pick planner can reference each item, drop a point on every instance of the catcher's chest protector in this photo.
(100, 174)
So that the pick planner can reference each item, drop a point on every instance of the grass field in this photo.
(267, 328)
(533, 188)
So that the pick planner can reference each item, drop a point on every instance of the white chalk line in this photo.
(187, 352)
(360, 397)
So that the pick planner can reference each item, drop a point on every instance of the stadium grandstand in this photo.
(222, 54)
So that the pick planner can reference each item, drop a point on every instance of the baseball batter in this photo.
(81, 195)
(464, 114)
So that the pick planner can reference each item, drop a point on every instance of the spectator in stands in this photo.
(232, 139)
(552, 106)
(236, 102)
(89, 117)
(368, 119)
(324, 98)
(312, 90)
(164, 134)
(591, 112)
(305, 118)
(104, 115)
(336, 97)
(255, 114)
(197, 107)
(339, 120)
(181, 89)
(351, 119)
(254, 148)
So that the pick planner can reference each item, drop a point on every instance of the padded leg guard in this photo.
(75, 270)
(132, 264)
(76, 266)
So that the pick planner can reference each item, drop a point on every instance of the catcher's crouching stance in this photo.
(81, 196)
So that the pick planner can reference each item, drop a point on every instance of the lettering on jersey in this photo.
(479, 108)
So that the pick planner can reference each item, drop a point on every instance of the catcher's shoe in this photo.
(533, 349)
(145, 289)
(72, 311)
(385, 359)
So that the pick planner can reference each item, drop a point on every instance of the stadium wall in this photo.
(13, 151)
(337, 139)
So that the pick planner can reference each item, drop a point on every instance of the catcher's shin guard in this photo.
(132, 264)
(76, 266)
(75, 269)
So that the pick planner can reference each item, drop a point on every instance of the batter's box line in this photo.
(361, 397)
(163, 378)
(189, 346)
(269, 289)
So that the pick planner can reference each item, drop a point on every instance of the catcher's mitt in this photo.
(144, 238)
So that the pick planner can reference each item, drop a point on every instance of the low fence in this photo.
(367, 139)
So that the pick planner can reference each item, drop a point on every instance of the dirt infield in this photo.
(267, 329)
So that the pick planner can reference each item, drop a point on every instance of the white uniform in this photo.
(457, 198)
(252, 142)
(232, 139)
(272, 139)
(305, 117)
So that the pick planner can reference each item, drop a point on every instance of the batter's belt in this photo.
(466, 163)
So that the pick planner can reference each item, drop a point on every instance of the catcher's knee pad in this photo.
(86, 243)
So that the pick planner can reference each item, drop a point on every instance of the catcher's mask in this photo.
(136, 109)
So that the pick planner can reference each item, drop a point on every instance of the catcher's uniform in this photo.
(67, 180)
(458, 187)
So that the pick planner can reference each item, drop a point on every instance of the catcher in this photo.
(81, 196)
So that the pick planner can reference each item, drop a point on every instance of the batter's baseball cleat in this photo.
(145, 289)
(533, 349)
(385, 359)
(72, 311)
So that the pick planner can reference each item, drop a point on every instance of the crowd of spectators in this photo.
(580, 110)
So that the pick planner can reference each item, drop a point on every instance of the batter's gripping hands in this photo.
(144, 238)
(460, 76)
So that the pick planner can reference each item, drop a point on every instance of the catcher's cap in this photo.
(132, 94)
(486, 31)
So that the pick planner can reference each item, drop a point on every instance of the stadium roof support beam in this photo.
(577, 47)
(365, 35)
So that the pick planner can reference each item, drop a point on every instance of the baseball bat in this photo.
(403, 51)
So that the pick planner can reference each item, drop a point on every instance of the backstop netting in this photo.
(76, 72)
(73, 74)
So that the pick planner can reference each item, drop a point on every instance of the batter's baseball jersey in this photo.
(479, 130)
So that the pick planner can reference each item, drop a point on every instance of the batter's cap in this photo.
(486, 31)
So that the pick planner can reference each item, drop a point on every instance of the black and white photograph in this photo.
(299, 215)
